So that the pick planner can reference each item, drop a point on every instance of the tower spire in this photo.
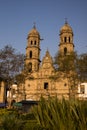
(33, 50)
(34, 26)
(66, 21)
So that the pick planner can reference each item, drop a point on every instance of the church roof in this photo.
(47, 64)
(34, 32)
(47, 57)
(66, 28)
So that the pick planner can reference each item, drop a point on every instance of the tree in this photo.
(11, 62)
(72, 62)
(82, 66)
(65, 63)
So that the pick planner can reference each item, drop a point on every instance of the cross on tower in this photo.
(34, 25)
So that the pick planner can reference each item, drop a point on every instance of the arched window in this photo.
(46, 85)
(30, 54)
(65, 39)
(31, 42)
(34, 42)
(30, 67)
(69, 39)
(65, 51)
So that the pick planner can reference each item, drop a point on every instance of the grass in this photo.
(51, 114)
(54, 114)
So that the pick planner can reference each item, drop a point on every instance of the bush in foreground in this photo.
(53, 114)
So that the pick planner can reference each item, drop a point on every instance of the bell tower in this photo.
(66, 45)
(32, 59)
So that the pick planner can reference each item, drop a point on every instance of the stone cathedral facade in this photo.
(42, 78)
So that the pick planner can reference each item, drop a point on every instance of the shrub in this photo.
(53, 114)
(9, 120)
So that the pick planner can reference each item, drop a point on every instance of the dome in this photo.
(66, 28)
(34, 32)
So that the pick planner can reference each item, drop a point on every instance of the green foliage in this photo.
(32, 125)
(20, 78)
(9, 120)
(82, 66)
(72, 62)
(28, 116)
(61, 115)
(11, 62)
(14, 120)
(65, 63)
(51, 114)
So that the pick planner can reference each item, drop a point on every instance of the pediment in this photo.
(47, 64)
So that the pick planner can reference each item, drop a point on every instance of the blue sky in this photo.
(18, 16)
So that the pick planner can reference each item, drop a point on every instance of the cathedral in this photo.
(42, 78)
